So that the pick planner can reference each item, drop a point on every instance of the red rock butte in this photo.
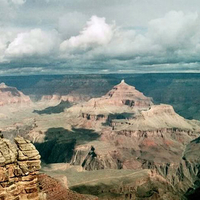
(119, 96)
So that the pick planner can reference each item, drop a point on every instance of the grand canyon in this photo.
(99, 138)
(99, 100)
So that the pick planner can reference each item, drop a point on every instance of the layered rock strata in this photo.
(19, 166)
(122, 98)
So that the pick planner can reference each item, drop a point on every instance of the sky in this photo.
(98, 36)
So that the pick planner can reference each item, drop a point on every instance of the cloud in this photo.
(178, 36)
(5, 37)
(97, 32)
(19, 2)
(71, 23)
(174, 30)
(168, 42)
(175, 38)
(3, 47)
(35, 42)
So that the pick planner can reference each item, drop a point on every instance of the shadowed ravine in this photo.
(60, 143)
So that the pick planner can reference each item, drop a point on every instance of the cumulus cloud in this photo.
(175, 38)
(169, 41)
(35, 42)
(175, 29)
(97, 32)
(5, 37)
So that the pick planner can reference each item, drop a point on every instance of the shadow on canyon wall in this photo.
(118, 116)
(60, 143)
(54, 109)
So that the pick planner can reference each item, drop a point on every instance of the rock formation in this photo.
(19, 166)
(135, 134)
(123, 94)
(122, 98)
(10, 95)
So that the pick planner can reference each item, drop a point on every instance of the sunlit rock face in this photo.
(123, 94)
(120, 98)
(122, 101)
(19, 166)
(10, 95)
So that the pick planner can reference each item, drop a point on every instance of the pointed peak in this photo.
(123, 84)
(3, 85)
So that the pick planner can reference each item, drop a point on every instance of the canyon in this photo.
(122, 143)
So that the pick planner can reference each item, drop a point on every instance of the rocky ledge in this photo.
(19, 166)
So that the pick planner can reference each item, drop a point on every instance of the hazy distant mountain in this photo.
(182, 91)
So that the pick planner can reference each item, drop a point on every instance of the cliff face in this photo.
(148, 140)
(19, 166)
(135, 149)
(179, 168)
(10, 95)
